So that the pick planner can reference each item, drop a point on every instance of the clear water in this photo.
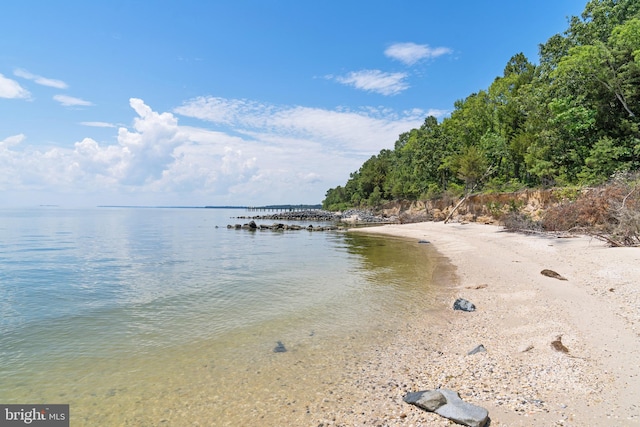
(166, 317)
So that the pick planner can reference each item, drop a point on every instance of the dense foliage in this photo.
(572, 119)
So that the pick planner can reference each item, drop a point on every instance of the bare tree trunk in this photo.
(446, 220)
(466, 196)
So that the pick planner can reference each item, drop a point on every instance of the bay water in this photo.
(164, 316)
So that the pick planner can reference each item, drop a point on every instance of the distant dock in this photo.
(280, 208)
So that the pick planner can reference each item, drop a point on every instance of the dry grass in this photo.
(610, 212)
(521, 222)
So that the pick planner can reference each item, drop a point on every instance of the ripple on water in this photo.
(178, 321)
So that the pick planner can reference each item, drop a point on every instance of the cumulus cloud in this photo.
(148, 148)
(158, 155)
(58, 84)
(245, 152)
(411, 53)
(70, 101)
(11, 89)
(375, 81)
(12, 140)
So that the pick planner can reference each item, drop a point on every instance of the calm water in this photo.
(166, 317)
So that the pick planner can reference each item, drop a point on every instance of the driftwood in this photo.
(552, 274)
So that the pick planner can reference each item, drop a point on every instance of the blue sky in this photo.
(235, 102)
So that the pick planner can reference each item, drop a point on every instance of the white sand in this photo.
(521, 379)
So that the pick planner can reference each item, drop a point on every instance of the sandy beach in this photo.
(522, 380)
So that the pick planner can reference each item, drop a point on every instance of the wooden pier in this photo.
(281, 208)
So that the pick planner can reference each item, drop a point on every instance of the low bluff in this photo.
(485, 208)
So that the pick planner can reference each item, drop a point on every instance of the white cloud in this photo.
(98, 124)
(411, 53)
(147, 150)
(257, 154)
(12, 140)
(361, 132)
(375, 81)
(70, 101)
(58, 84)
(11, 89)
(436, 113)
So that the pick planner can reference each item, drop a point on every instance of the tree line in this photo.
(570, 120)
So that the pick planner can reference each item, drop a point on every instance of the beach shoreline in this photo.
(521, 379)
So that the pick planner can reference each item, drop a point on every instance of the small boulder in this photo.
(464, 305)
(448, 404)
(429, 400)
(462, 412)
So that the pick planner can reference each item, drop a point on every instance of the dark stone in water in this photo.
(280, 348)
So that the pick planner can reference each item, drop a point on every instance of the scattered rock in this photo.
(448, 404)
(478, 349)
(553, 274)
(280, 348)
(352, 216)
(464, 305)
(252, 226)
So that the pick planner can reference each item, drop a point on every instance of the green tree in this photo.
(472, 166)
(603, 160)
(572, 119)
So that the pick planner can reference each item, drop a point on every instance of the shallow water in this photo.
(166, 317)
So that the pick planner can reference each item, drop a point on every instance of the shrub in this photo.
(610, 212)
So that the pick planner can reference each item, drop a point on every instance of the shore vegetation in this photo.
(570, 121)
